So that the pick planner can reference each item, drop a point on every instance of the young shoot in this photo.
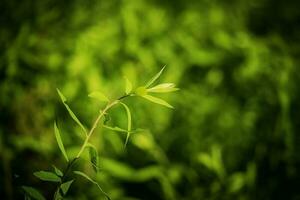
(64, 179)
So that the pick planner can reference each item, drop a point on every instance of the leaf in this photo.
(154, 78)
(157, 100)
(57, 171)
(47, 176)
(128, 122)
(92, 181)
(163, 88)
(59, 142)
(93, 156)
(99, 96)
(117, 129)
(63, 99)
(65, 186)
(33, 193)
(57, 195)
(140, 91)
(128, 86)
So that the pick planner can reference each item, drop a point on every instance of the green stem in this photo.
(69, 166)
(102, 112)
(71, 163)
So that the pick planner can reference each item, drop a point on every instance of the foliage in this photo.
(232, 134)
(59, 176)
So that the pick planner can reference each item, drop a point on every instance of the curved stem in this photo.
(71, 163)
(102, 112)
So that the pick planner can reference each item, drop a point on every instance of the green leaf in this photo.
(128, 86)
(154, 78)
(59, 142)
(93, 156)
(65, 186)
(85, 176)
(33, 193)
(157, 100)
(92, 181)
(63, 99)
(117, 129)
(128, 122)
(163, 88)
(140, 91)
(57, 195)
(47, 176)
(57, 171)
(99, 96)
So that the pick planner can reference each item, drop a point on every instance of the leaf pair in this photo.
(161, 88)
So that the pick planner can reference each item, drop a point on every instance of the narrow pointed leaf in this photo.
(57, 171)
(163, 88)
(157, 100)
(33, 193)
(63, 99)
(99, 96)
(117, 129)
(154, 78)
(128, 86)
(128, 122)
(47, 176)
(59, 142)
(75, 118)
(93, 156)
(65, 186)
(92, 181)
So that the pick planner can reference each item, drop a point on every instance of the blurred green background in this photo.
(234, 132)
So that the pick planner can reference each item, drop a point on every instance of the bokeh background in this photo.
(234, 132)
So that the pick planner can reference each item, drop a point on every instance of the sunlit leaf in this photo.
(128, 86)
(63, 99)
(163, 88)
(93, 156)
(154, 78)
(99, 96)
(57, 171)
(92, 181)
(65, 186)
(157, 100)
(128, 122)
(47, 176)
(140, 91)
(59, 142)
(33, 193)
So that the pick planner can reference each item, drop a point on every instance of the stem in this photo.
(102, 112)
(71, 163)
(69, 166)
